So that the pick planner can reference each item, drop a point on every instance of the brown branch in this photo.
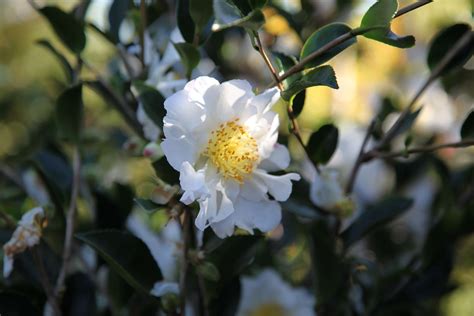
(339, 40)
(70, 222)
(418, 150)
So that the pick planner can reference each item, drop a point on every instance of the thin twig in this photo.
(295, 130)
(185, 263)
(45, 281)
(460, 44)
(359, 160)
(404, 153)
(70, 222)
(337, 41)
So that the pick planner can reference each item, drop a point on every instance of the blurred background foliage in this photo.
(369, 72)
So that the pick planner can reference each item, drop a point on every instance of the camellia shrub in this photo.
(210, 181)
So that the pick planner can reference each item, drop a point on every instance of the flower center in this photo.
(268, 309)
(232, 150)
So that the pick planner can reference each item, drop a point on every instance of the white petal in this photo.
(197, 88)
(254, 189)
(325, 190)
(7, 265)
(222, 100)
(192, 182)
(264, 215)
(161, 288)
(224, 228)
(178, 151)
(264, 101)
(180, 109)
(278, 186)
(279, 159)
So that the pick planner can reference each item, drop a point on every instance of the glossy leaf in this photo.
(152, 102)
(69, 113)
(323, 143)
(185, 22)
(127, 255)
(444, 41)
(189, 56)
(374, 216)
(297, 102)
(64, 62)
(228, 14)
(321, 76)
(467, 129)
(66, 27)
(323, 36)
(380, 16)
(201, 12)
(117, 12)
(283, 63)
(165, 172)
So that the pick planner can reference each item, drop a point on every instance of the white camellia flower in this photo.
(326, 191)
(267, 294)
(222, 138)
(26, 235)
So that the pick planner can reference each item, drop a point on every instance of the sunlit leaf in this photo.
(323, 36)
(229, 15)
(321, 76)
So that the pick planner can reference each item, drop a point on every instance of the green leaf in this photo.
(64, 62)
(405, 125)
(189, 56)
(66, 27)
(283, 63)
(152, 102)
(321, 76)
(127, 255)
(228, 14)
(201, 12)
(323, 143)
(322, 37)
(297, 102)
(69, 113)
(374, 216)
(165, 172)
(118, 12)
(444, 41)
(467, 129)
(379, 16)
(208, 271)
(184, 20)
(147, 205)
(327, 264)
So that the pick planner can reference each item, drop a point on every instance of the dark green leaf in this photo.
(322, 37)
(444, 41)
(283, 63)
(184, 20)
(321, 76)
(66, 27)
(406, 124)
(189, 56)
(327, 264)
(147, 205)
(66, 66)
(127, 255)
(323, 143)
(208, 271)
(297, 102)
(201, 12)
(375, 215)
(13, 303)
(152, 102)
(379, 16)
(165, 172)
(69, 113)
(117, 12)
(467, 129)
(228, 14)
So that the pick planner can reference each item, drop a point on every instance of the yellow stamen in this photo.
(232, 150)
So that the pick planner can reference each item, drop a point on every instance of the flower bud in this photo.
(153, 151)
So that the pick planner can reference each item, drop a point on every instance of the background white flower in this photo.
(327, 192)
(267, 294)
(222, 138)
(26, 235)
